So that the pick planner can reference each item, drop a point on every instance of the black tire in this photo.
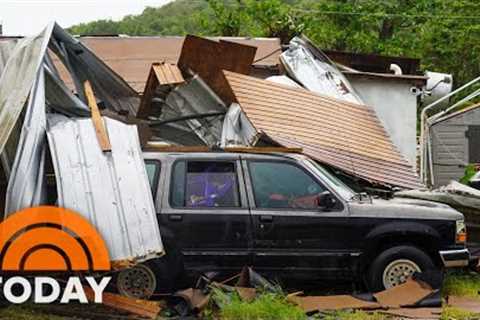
(384, 259)
(164, 274)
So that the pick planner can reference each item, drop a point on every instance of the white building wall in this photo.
(396, 107)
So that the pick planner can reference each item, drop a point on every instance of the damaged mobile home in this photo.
(207, 98)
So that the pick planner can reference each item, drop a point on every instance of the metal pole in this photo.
(423, 120)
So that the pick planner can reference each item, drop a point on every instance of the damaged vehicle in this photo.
(284, 214)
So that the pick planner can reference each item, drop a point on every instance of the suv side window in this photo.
(153, 171)
(200, 184)
(283, 185)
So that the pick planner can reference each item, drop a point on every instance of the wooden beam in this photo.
(162, 148)
(97, 119)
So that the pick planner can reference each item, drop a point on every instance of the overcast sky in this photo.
(27, 17)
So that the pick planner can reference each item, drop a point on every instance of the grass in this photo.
(461, 284)
(354, 315)
(450, 313)
(23, 312)
(266, 306)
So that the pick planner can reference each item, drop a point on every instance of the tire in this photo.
(394, 265)
(160, 275)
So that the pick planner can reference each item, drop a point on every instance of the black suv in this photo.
(286, 214)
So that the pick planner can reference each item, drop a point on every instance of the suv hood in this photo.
(404, 208)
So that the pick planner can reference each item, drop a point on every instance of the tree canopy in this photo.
(444, 34)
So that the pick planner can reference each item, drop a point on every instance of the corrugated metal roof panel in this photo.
(109, 189)
(345, 135)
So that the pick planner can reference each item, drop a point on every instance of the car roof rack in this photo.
(172, 148)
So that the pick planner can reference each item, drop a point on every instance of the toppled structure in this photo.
(30, 81)
(345, 135)
(86, 177)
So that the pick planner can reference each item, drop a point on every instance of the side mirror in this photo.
(326, 200)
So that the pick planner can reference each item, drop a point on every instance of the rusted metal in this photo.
(131, 57)
(208, 58)
(344, 135)
(143, 308)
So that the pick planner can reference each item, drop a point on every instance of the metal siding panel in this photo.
(17, 80)
(110, 189)
(342, 134)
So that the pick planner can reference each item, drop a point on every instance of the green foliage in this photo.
(461, 284)
(267, 306)
(449, 313)
(355, 315)
(445, 34)
(23, 312)
(469, 173)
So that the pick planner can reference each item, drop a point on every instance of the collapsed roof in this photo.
(344, 135)
(31, 91)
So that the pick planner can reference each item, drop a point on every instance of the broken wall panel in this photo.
(83, 65)
(17, 80)
(208, 58)
(344, 135)
(110, 189)
(196, 98)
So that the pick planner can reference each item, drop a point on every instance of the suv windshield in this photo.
(339, 186)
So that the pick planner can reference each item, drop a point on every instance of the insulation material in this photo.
(237, 129)
(316, 72)
(110, 189)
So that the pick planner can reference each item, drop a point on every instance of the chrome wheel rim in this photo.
(398, 272)
(138, 282)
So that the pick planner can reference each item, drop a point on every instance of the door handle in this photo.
(175, 217)
(266, 218)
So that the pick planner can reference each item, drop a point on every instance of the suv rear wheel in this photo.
(395, 265)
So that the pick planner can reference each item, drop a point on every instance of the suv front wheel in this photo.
(395, 265)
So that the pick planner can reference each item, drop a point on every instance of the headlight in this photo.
(461, 232)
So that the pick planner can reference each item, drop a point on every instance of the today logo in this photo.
(51, 239)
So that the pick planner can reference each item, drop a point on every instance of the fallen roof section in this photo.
(109, 189)
(131, 57)
(344, 135)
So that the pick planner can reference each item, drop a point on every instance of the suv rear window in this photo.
(197, 184)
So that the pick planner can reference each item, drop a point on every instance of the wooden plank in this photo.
(155, 148)
(143, 308)
(97, 119)
(264, 150)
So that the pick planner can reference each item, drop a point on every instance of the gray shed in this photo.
(455, 142)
